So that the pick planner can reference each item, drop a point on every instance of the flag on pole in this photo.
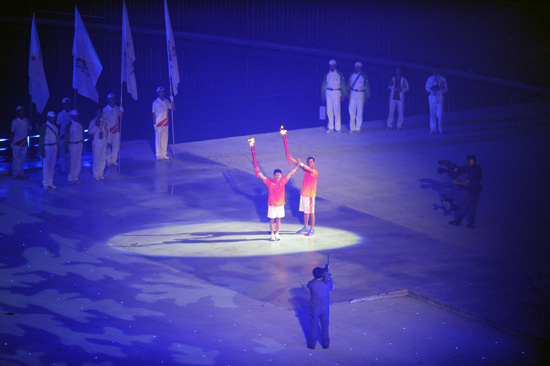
(172, 57)
(128, 55)
(86, 67)
(38, 87)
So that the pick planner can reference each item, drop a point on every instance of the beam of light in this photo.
(228, 239)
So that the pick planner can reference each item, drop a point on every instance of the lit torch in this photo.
(251, 143)
(283, 133)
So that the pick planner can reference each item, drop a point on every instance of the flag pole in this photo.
(120, 125)
(172, 112)
(29, 141)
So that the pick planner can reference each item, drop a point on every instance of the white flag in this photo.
(128, 56)
(38, 87)
(86, 67)
(172, 57)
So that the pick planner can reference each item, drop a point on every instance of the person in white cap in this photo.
(19, 146)
(436, 85)
(74, 141)
(63, 119)
(333, 91)
(160, 123)
(113, 115)
(99, 132)
(398, 86)
(48, 146)
(359, 93)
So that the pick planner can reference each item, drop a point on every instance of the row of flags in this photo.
(87, 66)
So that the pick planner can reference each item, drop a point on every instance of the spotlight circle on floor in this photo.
(228, 239)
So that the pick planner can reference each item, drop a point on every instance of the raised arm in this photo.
(289, 174)
(292, 159)
(261, 176)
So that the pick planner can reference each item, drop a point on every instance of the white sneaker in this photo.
(277, 237)
(272, 237)
(52, 186)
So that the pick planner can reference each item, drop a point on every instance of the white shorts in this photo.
(307, 204)
(274, 212)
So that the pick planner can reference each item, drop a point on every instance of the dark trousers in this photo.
(469, 206)
(318, 315)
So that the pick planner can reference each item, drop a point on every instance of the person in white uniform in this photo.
(398, 86)
(333, 91)
(63, 119)
(113, 115)
(19, 146)
(99, 133)
(436, 85)
(358, 94)
(161, 106)
(74, 141)
(48, 146)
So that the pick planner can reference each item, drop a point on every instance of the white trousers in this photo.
(19, 157)
(333, 109)
(356, 103)
(48, 164)
(161, 141)
(75, 161)
(113, 147)
(400, 113)
(98, 156)
(436, 117)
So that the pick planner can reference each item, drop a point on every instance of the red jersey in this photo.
(276, 191)
(309, 187)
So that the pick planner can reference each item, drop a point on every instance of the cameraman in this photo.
(319, 288)
(472, 184)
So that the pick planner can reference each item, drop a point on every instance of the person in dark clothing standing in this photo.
(319, 288)
(472, 184)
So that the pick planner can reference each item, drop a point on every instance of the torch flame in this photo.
(282, 130)
(251, 141)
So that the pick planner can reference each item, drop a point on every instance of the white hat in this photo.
(19, 107)
(111, 95)
(66, 100)
(160, 88)
(332, 62)
(74, 112)
(52, 114)
(358, 64)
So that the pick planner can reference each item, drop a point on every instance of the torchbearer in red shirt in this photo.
(276, 200)
(307, 194)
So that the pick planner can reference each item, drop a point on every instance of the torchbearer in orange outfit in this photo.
(307, 194)
(276, 200)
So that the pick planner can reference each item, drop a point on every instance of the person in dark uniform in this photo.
(319, 288)
(472, 184)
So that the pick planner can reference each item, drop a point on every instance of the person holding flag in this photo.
(48, 145)
(63, 119)
(99, 131)
(161, 106)
(19, 146)
(113, 115)
(173, 69)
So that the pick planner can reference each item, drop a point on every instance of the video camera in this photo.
(326, 272)
(452, 169)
